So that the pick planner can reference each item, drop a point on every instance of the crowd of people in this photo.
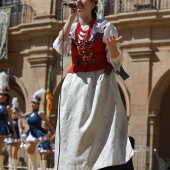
(38, 136)
(92, 125)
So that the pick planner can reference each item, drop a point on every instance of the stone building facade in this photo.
(146, 47)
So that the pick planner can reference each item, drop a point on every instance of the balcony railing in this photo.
(122, 6)
(21, 14)
(141, 157)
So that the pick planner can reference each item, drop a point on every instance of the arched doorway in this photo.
(164, 126)
(158, 119)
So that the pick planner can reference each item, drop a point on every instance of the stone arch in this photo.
(56, 94)
(158, 116)
(157, 93)
(125, 93)
(18, 90)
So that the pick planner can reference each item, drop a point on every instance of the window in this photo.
(20, 13)
(9, 2)
(17, 6)
(109, 7)
(16, 9)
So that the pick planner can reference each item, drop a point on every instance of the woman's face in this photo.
(34, 105)
(85, 5)
(2, 98)
(14, 115)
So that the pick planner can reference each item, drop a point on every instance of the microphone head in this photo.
(71, 5)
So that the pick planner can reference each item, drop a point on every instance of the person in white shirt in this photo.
(92, 128)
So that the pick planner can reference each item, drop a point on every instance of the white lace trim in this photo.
(30, 138)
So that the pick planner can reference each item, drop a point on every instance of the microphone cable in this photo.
(59, 100)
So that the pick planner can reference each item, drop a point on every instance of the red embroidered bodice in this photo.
(89, 57)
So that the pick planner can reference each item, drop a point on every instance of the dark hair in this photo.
(7, 99)
(94, 13)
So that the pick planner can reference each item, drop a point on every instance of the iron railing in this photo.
(112, 7)
(21, 14)
(122, 6)
(141, 158)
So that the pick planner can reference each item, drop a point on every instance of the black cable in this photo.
(58, 126)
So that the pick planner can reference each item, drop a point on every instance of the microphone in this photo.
(71, 5)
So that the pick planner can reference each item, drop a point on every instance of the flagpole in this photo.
(50, 68)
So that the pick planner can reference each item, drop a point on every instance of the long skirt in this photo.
(92, 123)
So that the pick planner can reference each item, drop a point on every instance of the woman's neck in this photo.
(85, 20)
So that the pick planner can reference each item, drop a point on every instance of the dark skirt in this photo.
(5, 129)
(127, 166)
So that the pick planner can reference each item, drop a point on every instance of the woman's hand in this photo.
(79, 6)
(111, 43)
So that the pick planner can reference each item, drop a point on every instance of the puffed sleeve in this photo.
(63, 47)
(110, 30)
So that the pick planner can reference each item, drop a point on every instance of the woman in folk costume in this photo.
(14, 144)
(35, 133)
(92, 123)
(5, 115)
(44, 148)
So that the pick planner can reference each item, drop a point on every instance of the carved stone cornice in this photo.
(41, 61)
(47, 16)
(37, 61)
(140, 18)
(153, 118)
(34, 29)
(153, 115)
(138, 56)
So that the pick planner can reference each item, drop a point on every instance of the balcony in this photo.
(122, 6)
(21, 14)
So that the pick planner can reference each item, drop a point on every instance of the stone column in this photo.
(153, 134)
(100, 6)
(115, 6)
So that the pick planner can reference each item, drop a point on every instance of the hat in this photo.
(15, 105)
(37, 95)
(4, 87)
